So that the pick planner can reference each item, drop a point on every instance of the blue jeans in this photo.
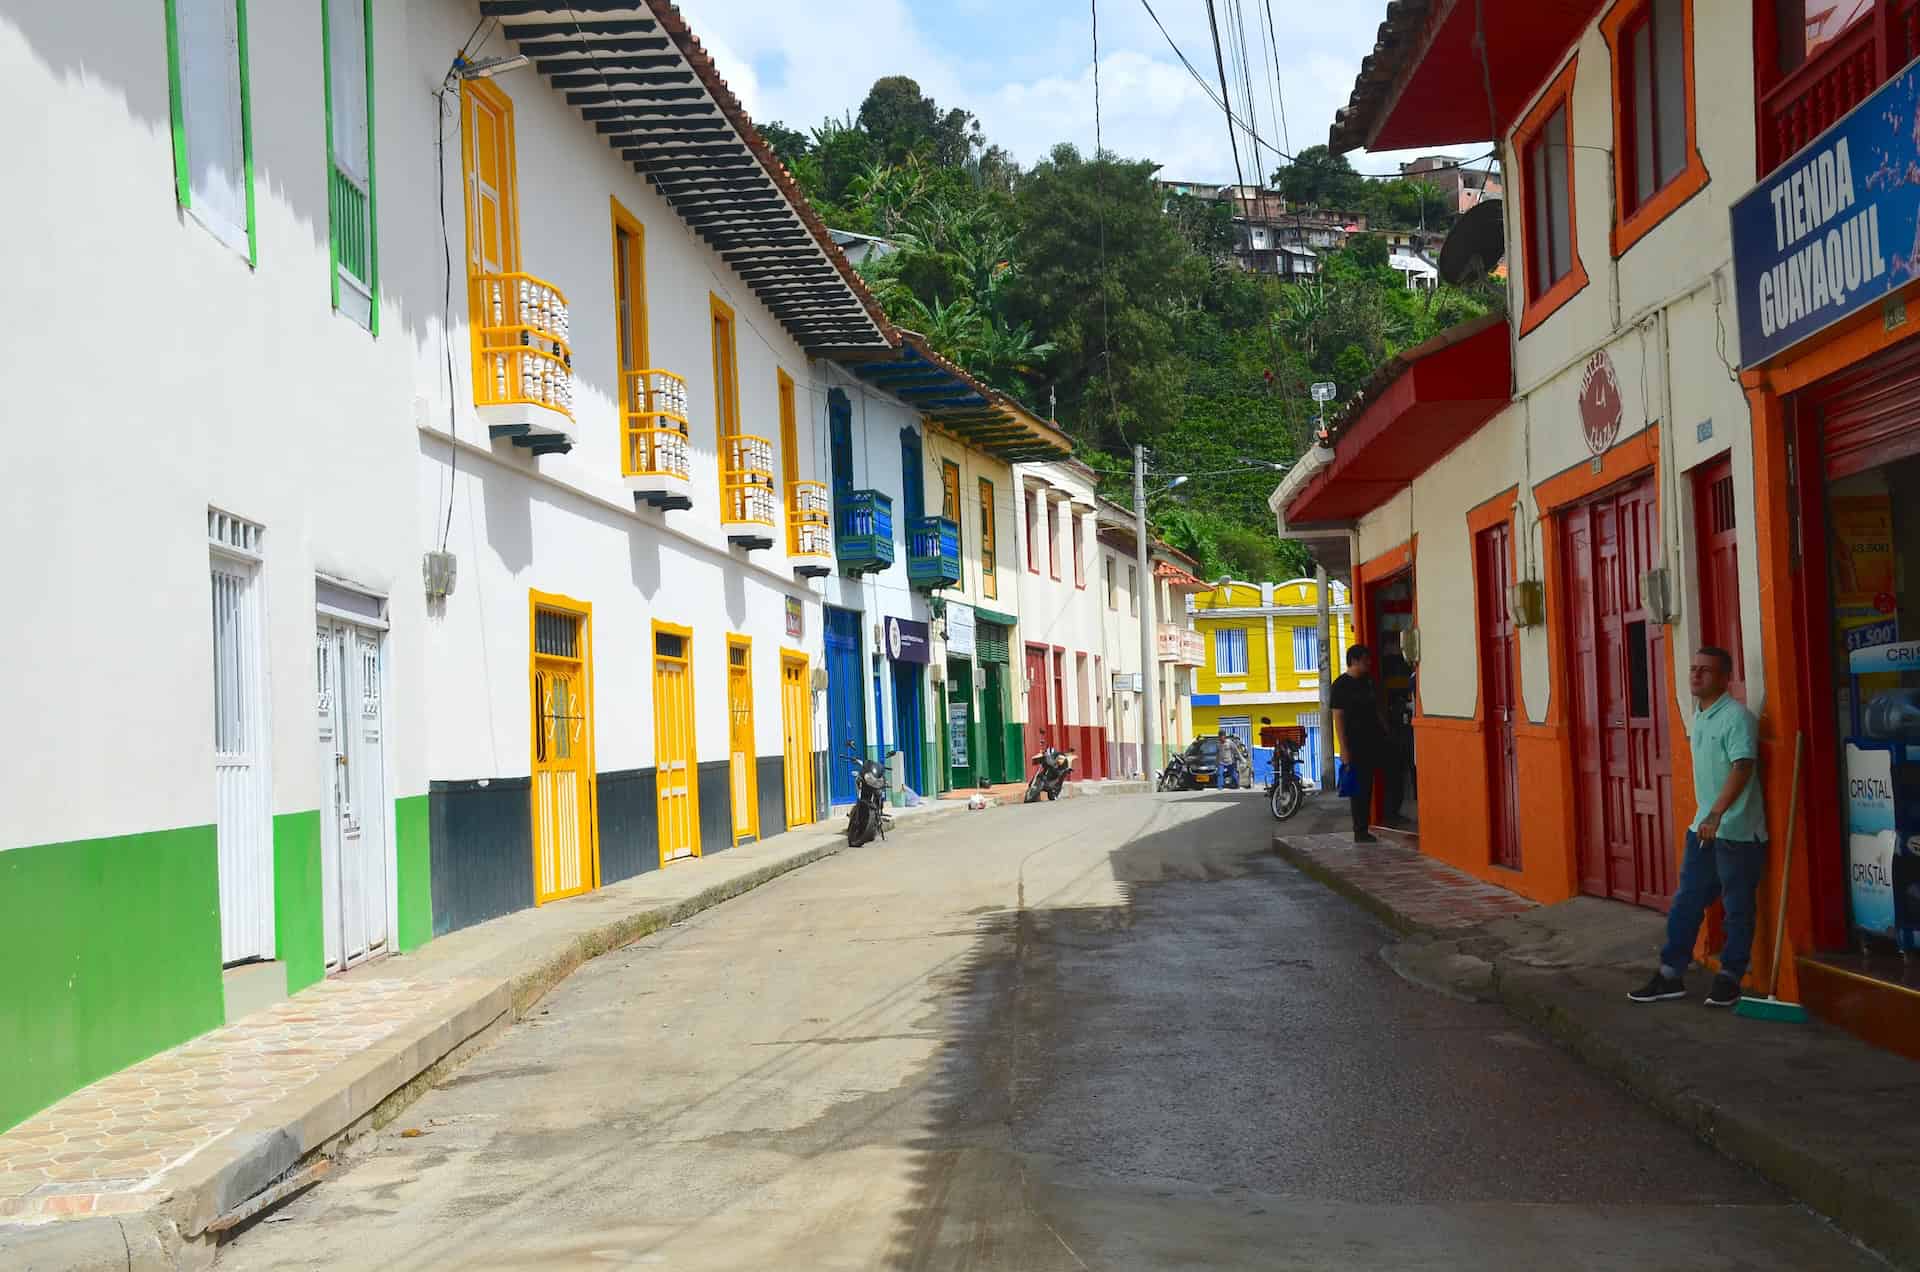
(1722, 870)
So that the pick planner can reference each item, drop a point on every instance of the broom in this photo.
(1771, 1007)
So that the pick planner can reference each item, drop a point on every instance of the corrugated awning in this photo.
(1419, 406)
(953, 401)
(637, 74)
(1423, 85)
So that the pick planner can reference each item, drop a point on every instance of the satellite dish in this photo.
(1476, 244)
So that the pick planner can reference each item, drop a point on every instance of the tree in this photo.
(1104, 270)
(790, 144)
(1320, 178)
(902, 120)
(1369, 251)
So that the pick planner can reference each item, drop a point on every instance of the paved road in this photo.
(1105, 1033)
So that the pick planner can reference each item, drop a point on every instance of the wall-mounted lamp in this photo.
(1526, 603)
(488, 67)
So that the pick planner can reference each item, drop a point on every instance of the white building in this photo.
(1062, 639)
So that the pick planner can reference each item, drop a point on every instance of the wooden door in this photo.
(846, 705)
(1039, 698)
(1493, 575)
(1617, 669)
(673, 743)
(1714, 526)
(563, 833)
(796, 734)
(742, 760)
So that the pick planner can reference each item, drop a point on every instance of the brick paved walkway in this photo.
(1421, 892)
(106, 1149)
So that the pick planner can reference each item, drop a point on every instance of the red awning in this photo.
(1422, 85)
(1418, 407)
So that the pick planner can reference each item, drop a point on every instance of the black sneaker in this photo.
(1659, 989)
(1364, 838)
(1725, 991)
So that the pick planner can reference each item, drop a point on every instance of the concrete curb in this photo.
(1861, 1197)
(1865, 1201)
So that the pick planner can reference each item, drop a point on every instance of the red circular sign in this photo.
(1885, 603)
(1599, 403)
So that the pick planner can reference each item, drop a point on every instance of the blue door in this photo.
(846, 709)
(909, 722)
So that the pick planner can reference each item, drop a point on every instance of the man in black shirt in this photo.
(1362, 734)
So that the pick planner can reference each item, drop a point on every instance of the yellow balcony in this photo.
(655, 456)
(522, 362)
(749, 508)
(810, 529)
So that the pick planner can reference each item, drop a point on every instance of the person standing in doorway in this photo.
(1727, 843)
(1362, 733)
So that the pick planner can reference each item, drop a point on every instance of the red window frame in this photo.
(1544, 300)
(1716, 541)
(1637, 212)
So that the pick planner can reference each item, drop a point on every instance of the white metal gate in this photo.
(355, 837)
(242, 793)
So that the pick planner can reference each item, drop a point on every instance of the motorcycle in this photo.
(1285, 791)
(1050, 771)
(1175, 776)
(868, 817)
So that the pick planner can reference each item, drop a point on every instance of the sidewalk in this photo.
(1015, 792)
(1812, 1108)
(142, 1167)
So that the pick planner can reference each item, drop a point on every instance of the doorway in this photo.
(993, 722)
(1039, 699)
(564, 857)
(796, 735)
(678, 798)
(1390, 615)
(243, 829)
(1493, 574)
(846, 704)
(742, 762)
(355, 837)
(1617, 662)
(910, 724)
(961, 760)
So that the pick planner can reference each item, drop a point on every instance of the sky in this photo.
(1025, 68)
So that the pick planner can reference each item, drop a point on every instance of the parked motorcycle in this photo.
(1174, 777)
(1050, 769)
(1286, 792)
(868, 817)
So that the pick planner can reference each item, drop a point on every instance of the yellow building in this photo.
(1263, 659)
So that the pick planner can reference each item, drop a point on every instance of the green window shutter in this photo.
(176, 110)
(246, 131)
(346, 28)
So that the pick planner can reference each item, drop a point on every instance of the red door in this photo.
(1618, 665)
(1719, 566)
(1494, 575)
(1039, 698)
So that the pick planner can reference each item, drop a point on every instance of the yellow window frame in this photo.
(726, 382)
(989, 544)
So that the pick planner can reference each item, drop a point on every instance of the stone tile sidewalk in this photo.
(132, 1170)
(1407, 889)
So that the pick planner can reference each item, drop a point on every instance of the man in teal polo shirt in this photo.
(1727, 843)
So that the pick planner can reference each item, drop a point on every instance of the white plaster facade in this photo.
(1060, 606)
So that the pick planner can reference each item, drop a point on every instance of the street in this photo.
(1105, 1033)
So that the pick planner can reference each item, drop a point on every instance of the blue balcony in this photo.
(933, 553)
(864, 541)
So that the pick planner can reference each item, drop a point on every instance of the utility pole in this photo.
(1145, 592)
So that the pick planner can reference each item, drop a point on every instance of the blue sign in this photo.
(1884, 658)
(1832, 229)
(1880, 633)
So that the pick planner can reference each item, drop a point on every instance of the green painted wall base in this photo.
(413, 846)
(109, 952)
(298, 940)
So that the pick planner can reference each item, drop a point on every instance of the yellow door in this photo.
(679, 800)
(740, 749)
(796, 730)
(565, 859)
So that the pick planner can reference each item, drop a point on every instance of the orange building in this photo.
(1676, 438)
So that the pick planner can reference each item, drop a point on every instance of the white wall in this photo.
(1059, 612)
(151, 374)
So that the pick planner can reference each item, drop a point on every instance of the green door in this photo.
(993, 717)
(956, 725)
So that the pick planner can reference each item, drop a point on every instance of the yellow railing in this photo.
(748, 481)
(809, 519)
(520, 349)
(653, 421)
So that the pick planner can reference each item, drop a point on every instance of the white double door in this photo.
(356, 834)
